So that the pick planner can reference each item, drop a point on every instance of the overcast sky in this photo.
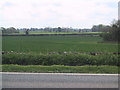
(57, 13)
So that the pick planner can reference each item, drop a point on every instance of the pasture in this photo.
(46, 44)
(74, 52)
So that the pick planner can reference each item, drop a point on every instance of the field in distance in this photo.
(38, 32)
(45, 44)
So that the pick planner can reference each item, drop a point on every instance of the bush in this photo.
(70, 59)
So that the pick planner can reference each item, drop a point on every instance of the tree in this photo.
(9, 30)
(2, 29)
(59, 29)
(100, 28)
(27, 32)
(114, 32)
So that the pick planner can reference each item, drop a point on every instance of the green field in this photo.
(45, 44)
(33, 54)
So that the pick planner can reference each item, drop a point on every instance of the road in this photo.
(58, 80)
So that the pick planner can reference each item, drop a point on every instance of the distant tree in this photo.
(27, 32)
(12, 30)
(9, 30)
(100, 28)
(114, 32)
(59, 29)
(2, 29)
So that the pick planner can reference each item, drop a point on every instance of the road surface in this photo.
(58, 80)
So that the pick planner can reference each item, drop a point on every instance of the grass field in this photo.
(44, 44)
(31, 52)
(60, 69)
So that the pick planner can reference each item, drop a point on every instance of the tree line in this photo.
(110, 32)
(95, 28)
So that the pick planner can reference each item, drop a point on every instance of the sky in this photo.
(57, 13)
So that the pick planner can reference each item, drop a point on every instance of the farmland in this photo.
(45, 44)
(59, 50)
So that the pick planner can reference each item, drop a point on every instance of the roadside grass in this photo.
(60, 69)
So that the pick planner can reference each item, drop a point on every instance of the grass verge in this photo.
(60, 69)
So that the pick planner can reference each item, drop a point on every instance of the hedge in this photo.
(70, 59)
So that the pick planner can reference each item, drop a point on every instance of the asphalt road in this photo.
(63, 80)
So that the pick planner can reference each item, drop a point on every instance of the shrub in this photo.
(69, 59)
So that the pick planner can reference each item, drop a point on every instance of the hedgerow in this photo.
(68, 59)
